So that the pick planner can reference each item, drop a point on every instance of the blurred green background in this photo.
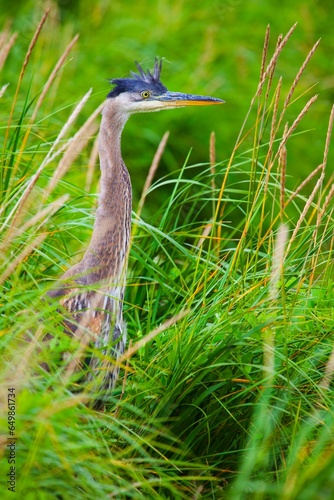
(211, 47)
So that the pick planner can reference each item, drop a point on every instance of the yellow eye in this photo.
(145, 94)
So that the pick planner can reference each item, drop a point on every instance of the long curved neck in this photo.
(107, 252)
(111, 162)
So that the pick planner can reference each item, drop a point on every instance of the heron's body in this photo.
(93, 290)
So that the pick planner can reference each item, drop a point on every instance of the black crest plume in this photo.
(140, 81)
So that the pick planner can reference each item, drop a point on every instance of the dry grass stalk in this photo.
(306, 207)
(305, 182)
(293, 87)
(5, 204)
(220, 207)
(7, 41)
(282, 41)
(41, 98)
(51, 154)
(273, 61)
(320, 247)
(265, 52)
(19, 368)
(22, 256)
(276, 273)
(205, 233)
(126, 371)
(270, 68)
(53, 75)
(41, 216)
(49, 157)
(93, 160)
(326, 151)
(272, 72)
(74, 146)
(295, 124)
(282, 168)
(213, 160)
(25, 63)
(3, 89)
(317, 186)
(325, 206)
(292, 197)
(298, 76)
(276, 122)
(329, 372)
(320, 218)
(277, 265)
(150, 336)
(323, 210)
(273, 129)
(212, 154)
(44, 214)
(152, 171)
(33, 42)
(4, 34)
(328, 135)
(23, 359)
(269, 161)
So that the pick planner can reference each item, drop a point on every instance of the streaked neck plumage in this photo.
(107, 251)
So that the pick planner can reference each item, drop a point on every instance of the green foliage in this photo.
(211, 48)
(227, 387)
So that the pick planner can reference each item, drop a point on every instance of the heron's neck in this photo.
(109, 244)
(114, 175)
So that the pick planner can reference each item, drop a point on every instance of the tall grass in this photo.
(227, 381)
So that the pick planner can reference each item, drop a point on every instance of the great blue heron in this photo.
(93, 290)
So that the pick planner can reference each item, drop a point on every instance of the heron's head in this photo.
(144, 92)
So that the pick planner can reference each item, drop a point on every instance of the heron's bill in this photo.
(180, 99)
